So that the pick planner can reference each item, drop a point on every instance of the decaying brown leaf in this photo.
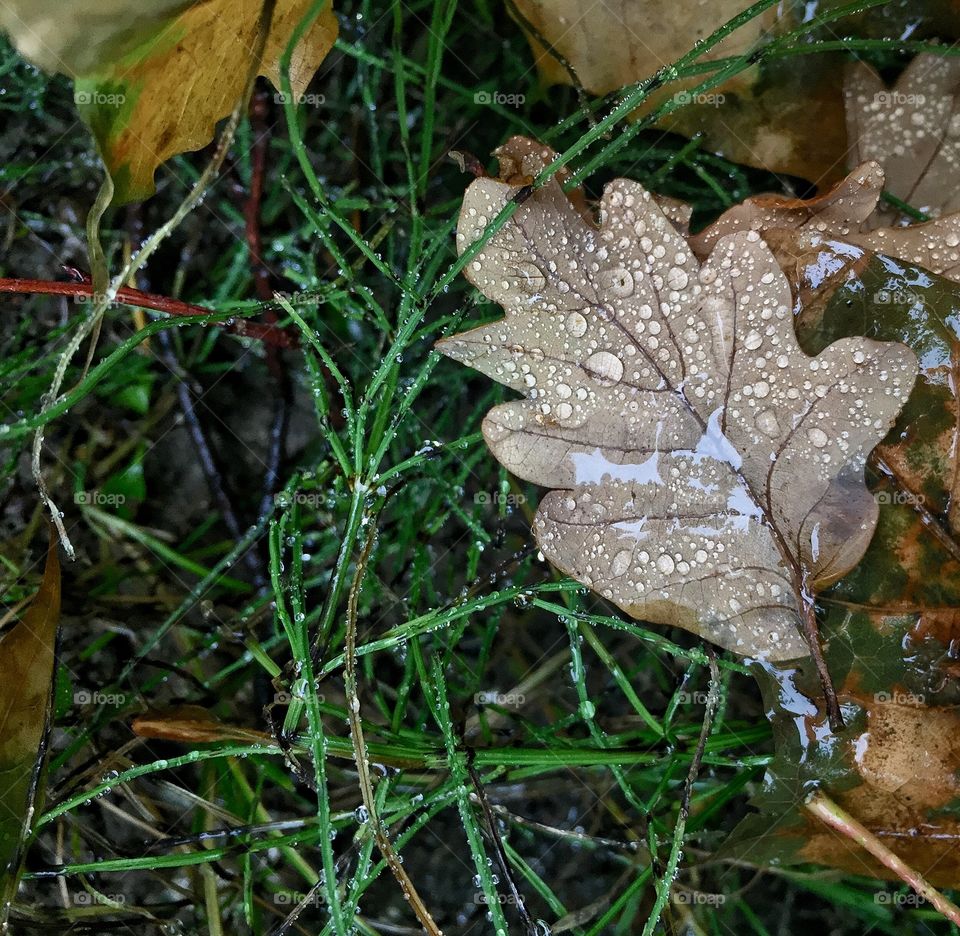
(912, 130)
(166, 96)
(789, 120)
(845, 214)
(909, 767)
(27, 654)
(706, 472)
(613, 45)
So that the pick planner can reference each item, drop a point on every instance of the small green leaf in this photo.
(136, 397)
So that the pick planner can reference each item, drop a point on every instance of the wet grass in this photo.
(521, 740)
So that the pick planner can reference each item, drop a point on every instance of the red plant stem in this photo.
(127, 295)
(259, 111)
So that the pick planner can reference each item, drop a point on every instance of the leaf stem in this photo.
(811, 633)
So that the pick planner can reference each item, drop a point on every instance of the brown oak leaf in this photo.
(705, 472)
(912, 130)
(842, 214)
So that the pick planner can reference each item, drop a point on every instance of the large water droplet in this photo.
(767, 423)
(604, 367)
(665, 564)
(576, 324)
(621, 562)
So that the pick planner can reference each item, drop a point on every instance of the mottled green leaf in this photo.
(891, 628)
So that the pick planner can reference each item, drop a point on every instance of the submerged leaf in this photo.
(26, 680)
(707, 470)
(891, 627)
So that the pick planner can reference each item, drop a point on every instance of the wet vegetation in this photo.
(313, 675)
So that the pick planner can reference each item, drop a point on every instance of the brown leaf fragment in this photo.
(912, 130)
(467, 162)
(521, 159)
(908, 757)
(841, 214)
(705, 471)
(839, 211)
(27, 655)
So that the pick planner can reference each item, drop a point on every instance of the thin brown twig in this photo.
(835, 816)
(206, 456)
(205, 453)
(529, 924)
(360, 747)
(257, 112)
